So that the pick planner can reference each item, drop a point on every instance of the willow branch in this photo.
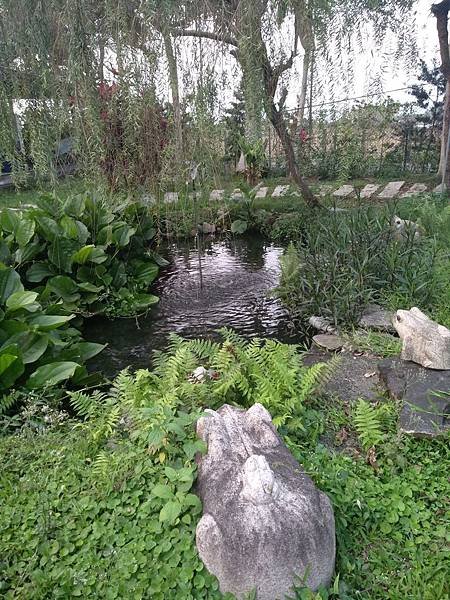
(218, 37)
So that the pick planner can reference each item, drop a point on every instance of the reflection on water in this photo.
(226, 283)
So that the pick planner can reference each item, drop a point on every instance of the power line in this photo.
(409, 87)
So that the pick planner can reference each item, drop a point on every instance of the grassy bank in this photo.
(101, 505)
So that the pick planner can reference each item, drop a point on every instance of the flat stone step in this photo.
(378, 318)
(325, 190)
(417, 188)
(262, 192)
(426, 410)
(344, 191)
(391, 189)
(333, 343)
(237, 194)
(369, 190)
(280, 190)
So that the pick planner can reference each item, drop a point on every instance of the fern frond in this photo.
(368, 424)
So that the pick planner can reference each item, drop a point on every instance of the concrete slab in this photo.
(170, 197)
(369, 190)
(344, 191)
(217, 195)
(262, 192)
(280, 190)
(417, 188)
(392, 189)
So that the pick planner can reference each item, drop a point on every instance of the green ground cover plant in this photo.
(102, 506)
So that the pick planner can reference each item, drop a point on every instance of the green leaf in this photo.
(48, 322)
(74, 206)
(38, 271)
(64, 287)
(69, 227)
(11, 365)
(83, 254)
(26, 300)
(31, 250)
(239, 226)
(49, 228)
(32, 345)
(98, 255)
(90, 287)
(122, 234)
(52, 374)
(83, 351)
(170, 511)
(9, 283)
(60, 253)
(162, 491)
(24, 232)
(145, 272)
(9, 220)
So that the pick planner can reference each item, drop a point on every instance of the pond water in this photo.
(225, 282)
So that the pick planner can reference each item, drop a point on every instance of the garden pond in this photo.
(210, 283)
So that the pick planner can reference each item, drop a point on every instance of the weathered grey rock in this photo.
(194, 195)
(440, 189)
(322, 324)
(148, 199)
(329, 342)
(417, 188)
(262, 192)
(170, 197)
(425, 342)
(280, 190)
(344, 191)
(378, 318)
(426, 408)
(392, 189)
(369, 190)
(263, 518)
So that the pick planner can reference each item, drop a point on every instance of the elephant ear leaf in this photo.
(52, 374)
(9, 283)
(24, 232)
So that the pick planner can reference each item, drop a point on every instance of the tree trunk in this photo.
(444, 170)
(174, 86)
(276, 118)
(304, 88)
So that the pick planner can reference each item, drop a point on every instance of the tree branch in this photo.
(218, 37)
(440, 11)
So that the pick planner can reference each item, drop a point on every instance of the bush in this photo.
(346, 260)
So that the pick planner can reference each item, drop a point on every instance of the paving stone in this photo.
(262, 192)
(170, 197)
(378, 318)
(350, 379)
(344, 191)
(392, 189)
(194, 195)
(329, 342)
(280, 190)
(425, 394)
(217, 195)
(325, 190)
(149, 199)
(417, 188)
(369, 190)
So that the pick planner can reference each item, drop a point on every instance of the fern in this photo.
(368, 424)
(7, 401)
